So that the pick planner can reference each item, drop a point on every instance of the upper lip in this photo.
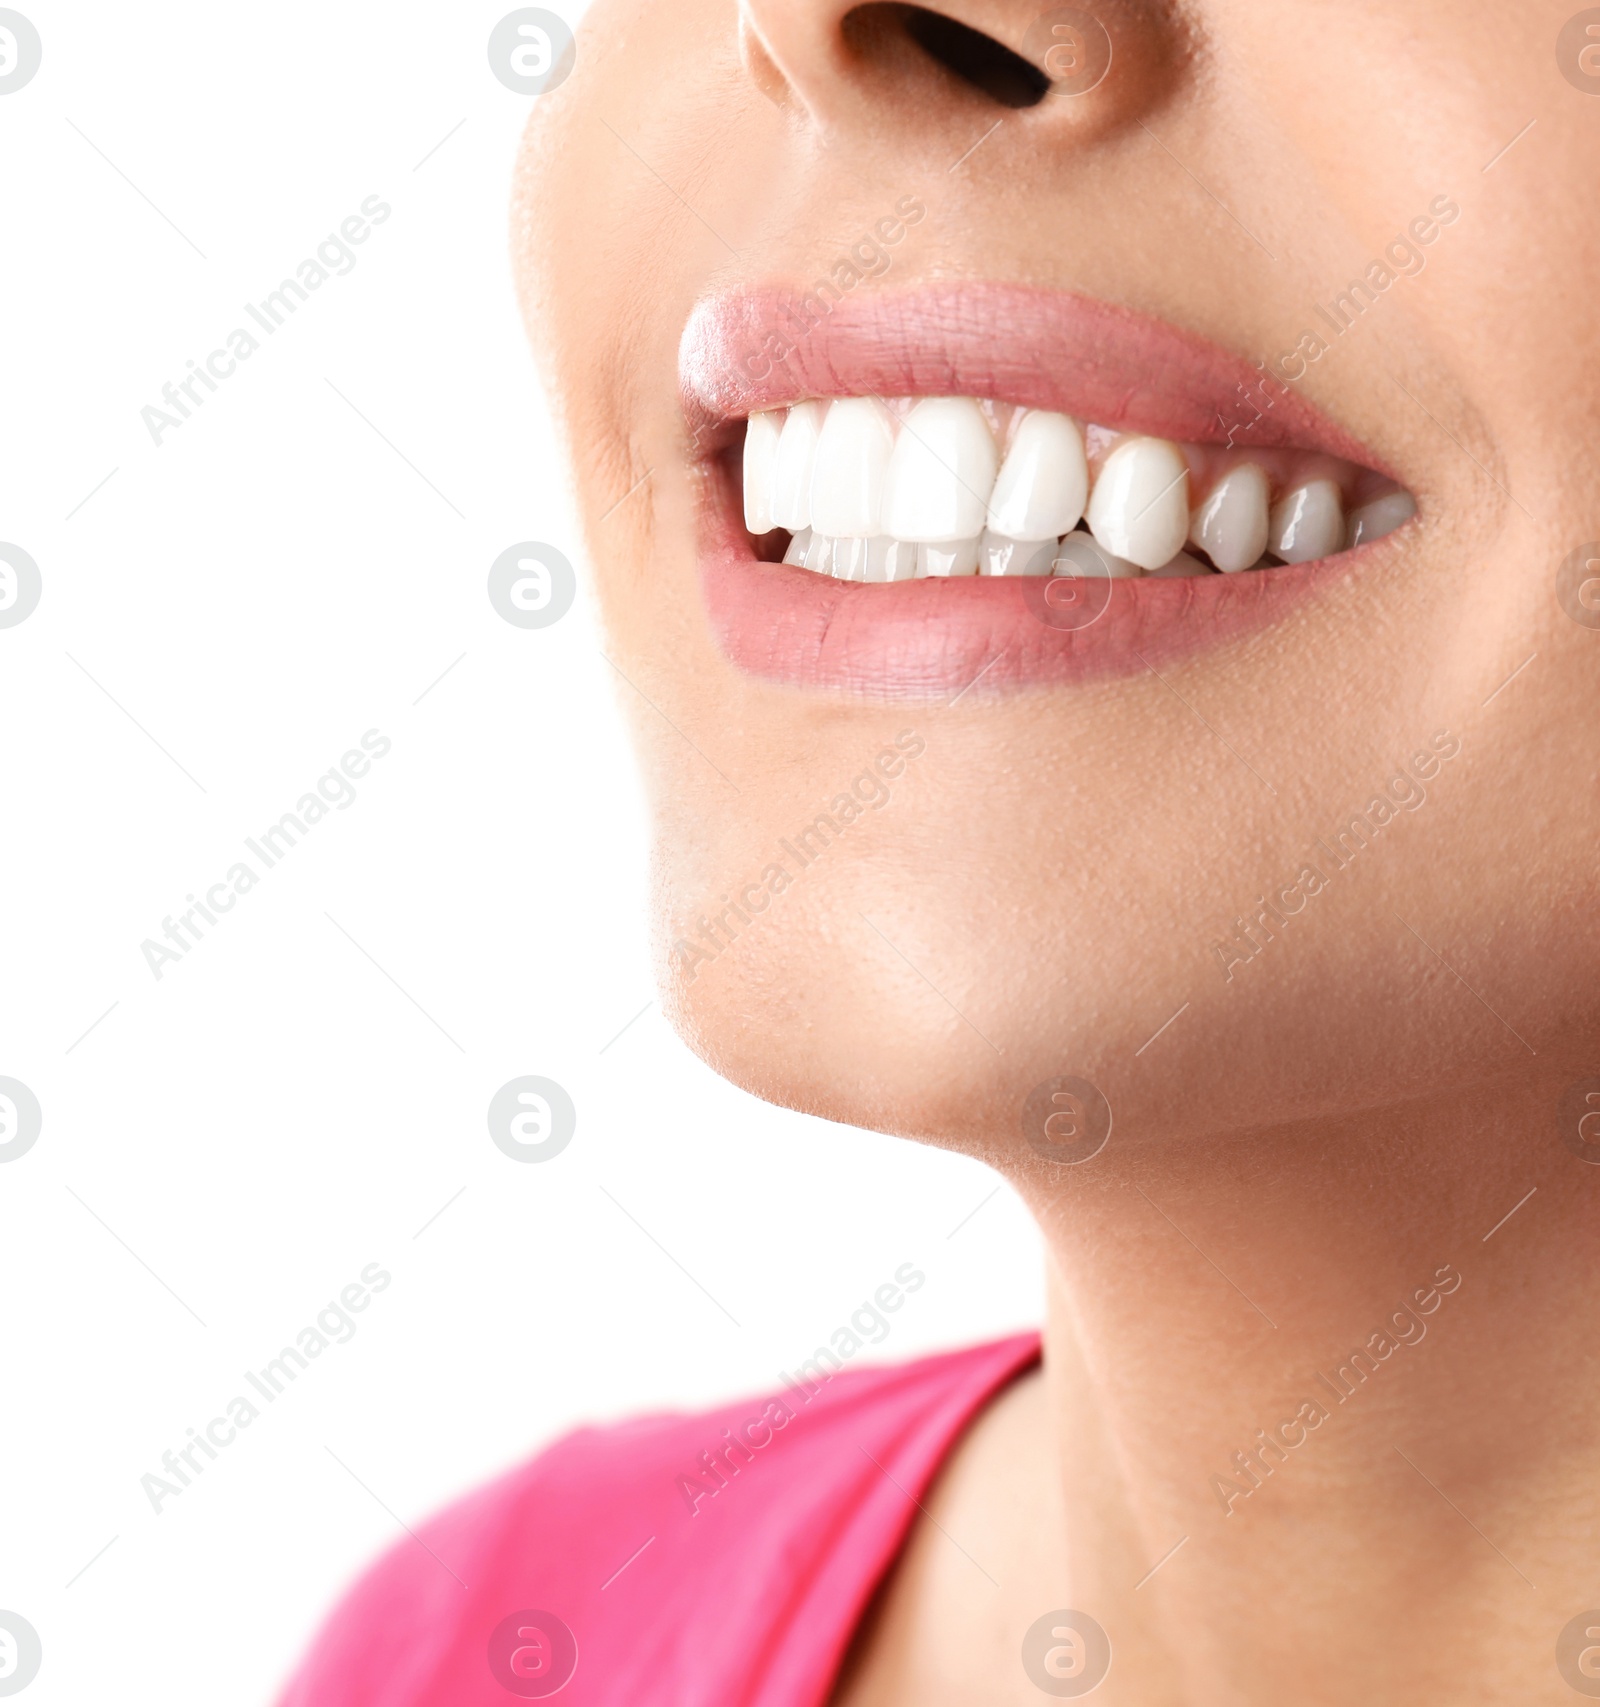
(761, 348)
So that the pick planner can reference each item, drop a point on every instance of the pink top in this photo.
(718, 1560)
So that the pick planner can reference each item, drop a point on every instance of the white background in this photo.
(228, 1147)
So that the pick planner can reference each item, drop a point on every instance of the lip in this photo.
(746, 351)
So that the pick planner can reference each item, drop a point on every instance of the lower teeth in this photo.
(886, 559)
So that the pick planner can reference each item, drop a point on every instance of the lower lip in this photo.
(934, 638)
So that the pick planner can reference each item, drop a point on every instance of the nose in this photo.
(1084, 68)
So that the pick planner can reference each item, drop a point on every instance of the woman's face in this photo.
(1237, 850)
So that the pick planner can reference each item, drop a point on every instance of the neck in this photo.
(1356, 1399)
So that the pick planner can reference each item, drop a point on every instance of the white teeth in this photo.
(941, 473)
(1182, 564)
(1044, 480)
(1231, 525)
(761, 435)
(1139, 508)
(998, 555)
(793, 464)
(1382, 516)
(1308, 522)
(948, 557)
(1082, 554)
(891, 559)
(848, 559)
(866, 500)
(810, 550)
(851, 468)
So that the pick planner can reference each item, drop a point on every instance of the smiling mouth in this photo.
(906, 493)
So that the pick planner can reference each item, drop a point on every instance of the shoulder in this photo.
(672, 1557)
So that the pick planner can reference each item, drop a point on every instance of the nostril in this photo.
(977, 59)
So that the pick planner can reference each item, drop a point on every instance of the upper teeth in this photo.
(1139, 507)
(876, 491)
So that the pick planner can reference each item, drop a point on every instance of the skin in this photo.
(1363, 1100)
